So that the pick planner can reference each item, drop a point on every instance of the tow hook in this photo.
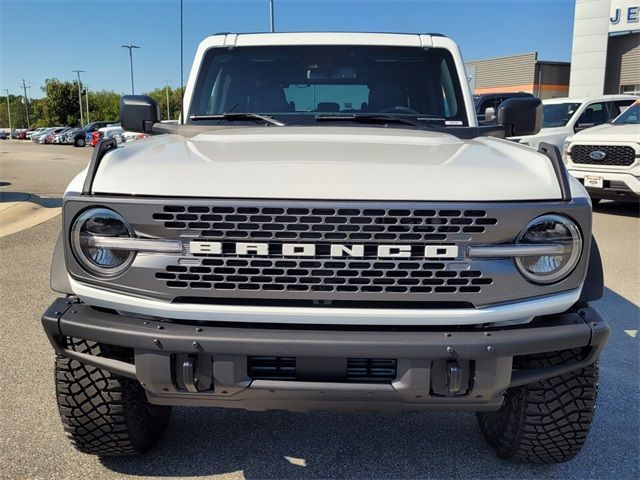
(188, 376)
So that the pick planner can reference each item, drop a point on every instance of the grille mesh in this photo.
(323, 276)
(358, 370)
(371, 370)
(272, 368)
(293, 223)
(616, 155)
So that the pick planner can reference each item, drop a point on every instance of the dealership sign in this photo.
(624, 16)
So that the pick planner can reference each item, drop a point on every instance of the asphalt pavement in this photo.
(228, 444)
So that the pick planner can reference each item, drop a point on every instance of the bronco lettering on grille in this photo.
(322, 250)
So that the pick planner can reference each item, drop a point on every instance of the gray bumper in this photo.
(161, 351)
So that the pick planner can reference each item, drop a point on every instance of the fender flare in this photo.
(59, 279)
(593, 287)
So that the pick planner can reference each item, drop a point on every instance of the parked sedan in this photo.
(35, 135)
(51, 138)
(68, 136)
(48, 137)
(36, 131)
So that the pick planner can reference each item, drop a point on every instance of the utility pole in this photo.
(86, 99)
(80, 95)
(130, 47)
(271, 16)
(26, 101)
(9, 112)
(166, 91)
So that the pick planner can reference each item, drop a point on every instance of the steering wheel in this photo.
(400, 109)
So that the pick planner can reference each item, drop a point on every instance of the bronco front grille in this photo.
(323, 276)
(331, 224)
(353, 260)
(615, 155)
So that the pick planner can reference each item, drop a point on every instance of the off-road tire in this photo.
(548, 421)
(102, 413)
(79, 142)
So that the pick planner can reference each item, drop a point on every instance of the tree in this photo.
(60, 106)
(61, 103)
(104, 105)
(160, 96)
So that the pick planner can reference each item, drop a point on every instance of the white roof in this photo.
(321, 38)
(606, 98)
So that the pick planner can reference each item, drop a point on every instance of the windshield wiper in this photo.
(368, 118)
(238, 117)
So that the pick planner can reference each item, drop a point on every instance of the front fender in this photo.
(593, 287)
(59, 278)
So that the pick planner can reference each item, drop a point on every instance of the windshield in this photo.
(630, 116)
(558, 114)
(296, 83)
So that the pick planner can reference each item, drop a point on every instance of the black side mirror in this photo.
(583, 126)
(138, 113)
(520, 116)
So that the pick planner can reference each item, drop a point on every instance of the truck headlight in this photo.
(100, 260)
(550, 229)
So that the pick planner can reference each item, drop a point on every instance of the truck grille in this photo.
(212, 268)
(293, 223)
(616, 155)
(323, 276)
(271, 368)
(358, 370)
(371, 370)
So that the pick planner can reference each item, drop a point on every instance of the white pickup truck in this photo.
(606, 158)
(327, 228)
(562, 117)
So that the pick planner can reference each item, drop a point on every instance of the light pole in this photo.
(9, 112)
(86, 100)
(26, 101)
(166, 91)
(130, 47)
(80, 95)
(271, 16)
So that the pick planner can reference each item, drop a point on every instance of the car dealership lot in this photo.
(276, 444)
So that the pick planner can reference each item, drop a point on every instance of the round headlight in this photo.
(555, 230)
(99, 260)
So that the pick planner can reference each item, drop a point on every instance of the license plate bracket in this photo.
(593, 181)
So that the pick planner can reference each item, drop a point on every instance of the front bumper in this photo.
(616, 185)
(191, 363)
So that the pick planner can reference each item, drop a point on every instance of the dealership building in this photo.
(519, 73)
(605, 58)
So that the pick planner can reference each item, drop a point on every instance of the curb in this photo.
(25, 211)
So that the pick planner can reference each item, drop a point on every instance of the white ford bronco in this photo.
(327, 228)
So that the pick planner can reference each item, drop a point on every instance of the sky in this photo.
(48, 39)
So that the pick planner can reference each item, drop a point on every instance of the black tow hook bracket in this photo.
(454, 378)
(450, 378)
(193, 372)
(188, 375)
